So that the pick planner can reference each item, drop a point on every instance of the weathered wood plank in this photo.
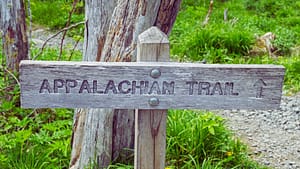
(180, 85)
(150, 125)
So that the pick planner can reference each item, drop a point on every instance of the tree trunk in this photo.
(111, 31)
(14, 38)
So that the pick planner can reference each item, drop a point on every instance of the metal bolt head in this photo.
(155, 73)
(154, 101)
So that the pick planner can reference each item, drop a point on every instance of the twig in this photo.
(205, 22)
(53, 36)
(226, 14)
(65, 32)
(76, 44)
(11, 74)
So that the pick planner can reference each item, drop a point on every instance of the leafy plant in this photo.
(214, 45)
(285, 41)
(53, 53)
(196, 139)
(54, 14)
(34, 138)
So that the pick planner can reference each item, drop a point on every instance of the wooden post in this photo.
(150, 125)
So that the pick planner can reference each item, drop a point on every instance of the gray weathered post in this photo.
(150, 125)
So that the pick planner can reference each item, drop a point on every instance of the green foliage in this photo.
(33, 138)
(120, 166)
(230, 41)
(200, 140)
(54, 14)
(197, 140)
(285, 41)
(273, 8)
(221, 41)
(215, 46)
(52, 54)
(292, 74)
(217, 42)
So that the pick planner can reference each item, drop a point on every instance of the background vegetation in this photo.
(41, 138)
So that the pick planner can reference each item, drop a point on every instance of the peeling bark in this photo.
(111, 31)
(14, 41)
(14, 38)
(92, 128)
(167, 15)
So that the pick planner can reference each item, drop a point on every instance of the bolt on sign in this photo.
(150, 85)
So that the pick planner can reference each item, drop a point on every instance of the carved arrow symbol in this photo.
(259, 88)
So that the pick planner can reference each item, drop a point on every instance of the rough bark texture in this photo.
(92, 128)
(167, 14)
(14, 38)
(112, 28)
(14, 41)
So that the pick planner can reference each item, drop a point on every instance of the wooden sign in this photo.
(150, 85)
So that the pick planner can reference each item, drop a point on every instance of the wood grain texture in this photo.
(150, 125)
(247, 81)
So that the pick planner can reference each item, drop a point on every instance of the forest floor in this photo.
(273, 135)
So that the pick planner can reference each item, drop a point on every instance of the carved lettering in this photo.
(155, 88)
(229, 89)
(168, 88)
(45, 86)
(204, 86)
(111, 87)
(191, 86)
(85, 86)
(70, 84)
(122, 89)
(217, 88)
(211, 88)
(136, 87)
(58, 83)
(146, 87)
(95, 87)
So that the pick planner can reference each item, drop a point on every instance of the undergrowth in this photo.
(37, 138)
(54, 14)
(196, 139)
(230, 41)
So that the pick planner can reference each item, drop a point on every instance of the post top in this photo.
(153, 35)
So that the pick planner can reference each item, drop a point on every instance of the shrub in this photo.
(216, 45)
(200, 139)
(54, 14)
